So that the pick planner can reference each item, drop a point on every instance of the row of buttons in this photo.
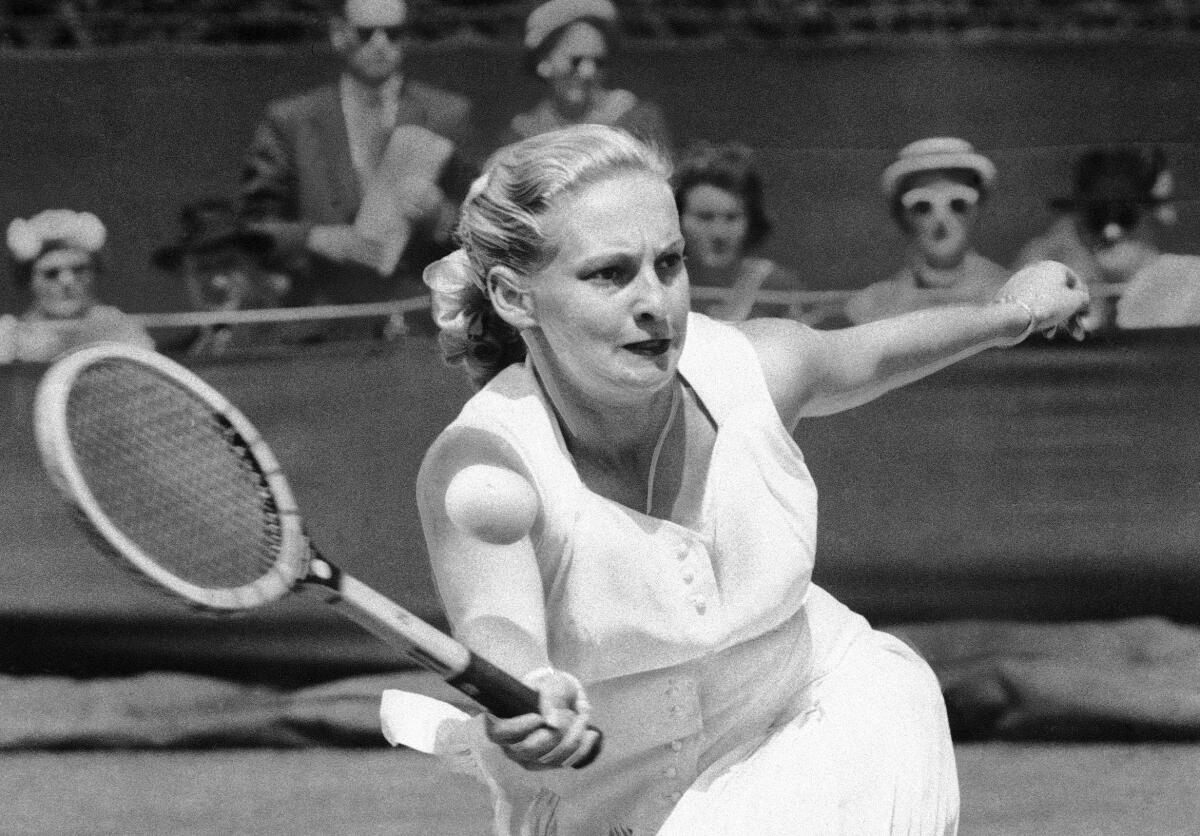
(680, 693)
(672, 772)
(688, 574)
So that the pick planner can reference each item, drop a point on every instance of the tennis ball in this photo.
(491, 503)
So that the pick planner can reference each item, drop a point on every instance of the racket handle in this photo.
(504, 695)
(497, 691)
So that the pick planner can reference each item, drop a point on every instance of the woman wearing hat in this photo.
(935, 189)
(56, 258)
(568, 44)
(1106, 233)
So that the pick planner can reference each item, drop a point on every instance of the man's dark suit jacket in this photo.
(299, 173)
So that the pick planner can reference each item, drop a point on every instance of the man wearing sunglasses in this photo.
(1107, 231)
(935, 189)
(372, 143)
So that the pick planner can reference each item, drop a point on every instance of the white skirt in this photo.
(864, 750)
(870, 755)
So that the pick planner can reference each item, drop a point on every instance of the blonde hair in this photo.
(501, 225)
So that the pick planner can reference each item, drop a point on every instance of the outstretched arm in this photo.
(812, 372)
(480, 514)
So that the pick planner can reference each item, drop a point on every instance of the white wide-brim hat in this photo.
(27, 238)
(555, 14)
(937, 153)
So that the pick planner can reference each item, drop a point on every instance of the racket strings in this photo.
(174, 476)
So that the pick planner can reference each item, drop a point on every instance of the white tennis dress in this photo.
(736, 697)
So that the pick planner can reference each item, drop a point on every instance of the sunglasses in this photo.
(600, 62)
(958, 200)
(82, 271)
(392, 33)
(1097, 216)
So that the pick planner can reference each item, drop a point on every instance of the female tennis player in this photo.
(621, 518)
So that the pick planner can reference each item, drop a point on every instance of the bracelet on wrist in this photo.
(535, 677)
(1033, 320)
(537, 674)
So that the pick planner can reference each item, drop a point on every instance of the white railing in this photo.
(197, 319)
(800, 305)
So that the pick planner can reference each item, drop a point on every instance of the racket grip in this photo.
(497, 691)
(504, 695)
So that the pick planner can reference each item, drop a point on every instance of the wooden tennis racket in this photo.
(172, 481)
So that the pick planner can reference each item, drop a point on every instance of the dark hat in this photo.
(1117, 175)
(209, 225)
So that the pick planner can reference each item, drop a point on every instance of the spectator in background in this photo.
(568, 45)
(935, 189)
(1106, 233)
(56, 255)
(223, 267)
(356, 182)
(719, 194)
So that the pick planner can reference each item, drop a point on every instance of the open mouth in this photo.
(649, 348)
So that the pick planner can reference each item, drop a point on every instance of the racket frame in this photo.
(299, 566)
(57, 449)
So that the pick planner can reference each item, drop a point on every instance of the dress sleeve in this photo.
(721, 364)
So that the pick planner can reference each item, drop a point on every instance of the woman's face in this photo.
(714, 223)
(575, 68)
(62, 283)
(940, 213)
(610, 310)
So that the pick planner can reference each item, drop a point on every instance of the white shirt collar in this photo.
(365, 110)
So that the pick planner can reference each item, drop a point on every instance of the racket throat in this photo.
(428, 647)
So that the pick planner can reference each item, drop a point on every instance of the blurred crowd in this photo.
(349, 189)
(85, 23)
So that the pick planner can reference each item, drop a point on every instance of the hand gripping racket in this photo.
(174, 482)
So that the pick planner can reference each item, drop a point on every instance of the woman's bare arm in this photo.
(479, 511)
(812, 372)
(481, 515)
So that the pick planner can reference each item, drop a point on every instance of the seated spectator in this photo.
(1106, 234)
(223, 267)
(935, 189)
(568, 45)
(56, 256)
(720, 198)
(357, 181)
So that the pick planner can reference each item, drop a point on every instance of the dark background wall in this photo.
(133, 133)
(1033, 484)
(1038, 484)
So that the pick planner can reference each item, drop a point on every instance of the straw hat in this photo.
(555, 14)
(937, 153)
